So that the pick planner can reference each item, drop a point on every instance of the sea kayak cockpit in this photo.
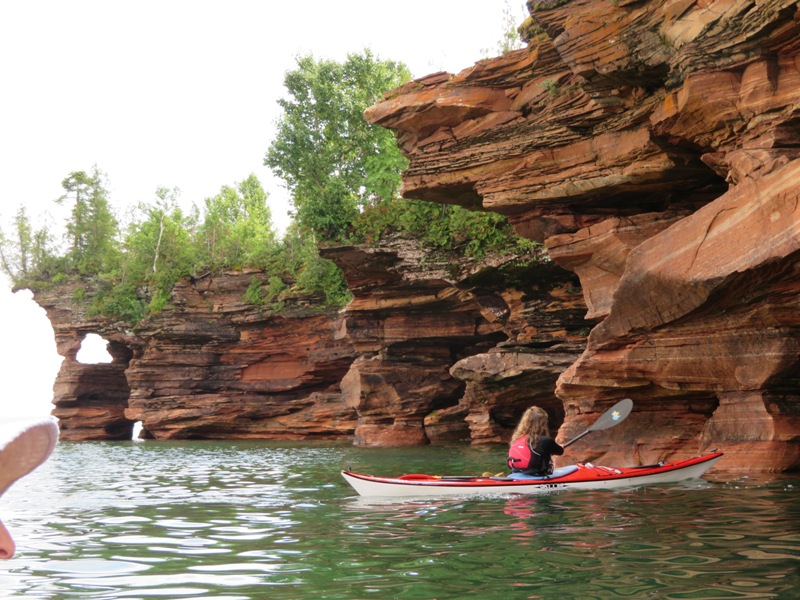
(557, 473)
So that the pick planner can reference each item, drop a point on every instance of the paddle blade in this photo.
(613, 416)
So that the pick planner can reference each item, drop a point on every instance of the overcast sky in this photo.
(176, 93)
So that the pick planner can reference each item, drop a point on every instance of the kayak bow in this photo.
(584, 477)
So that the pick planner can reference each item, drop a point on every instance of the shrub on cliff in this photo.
(444, 227)
(127, 275)
(344, 174)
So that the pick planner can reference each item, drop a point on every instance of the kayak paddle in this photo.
(613, 416)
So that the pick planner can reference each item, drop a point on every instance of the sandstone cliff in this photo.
(213, 366)
(453, 351)
(654, 147)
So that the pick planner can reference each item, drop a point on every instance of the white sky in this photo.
(176, 93)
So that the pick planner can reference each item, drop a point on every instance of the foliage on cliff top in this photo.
(344, 174)
(129, 272)
(331, 160)
(344, 177)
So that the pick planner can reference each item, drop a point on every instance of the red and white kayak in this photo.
(578, 477)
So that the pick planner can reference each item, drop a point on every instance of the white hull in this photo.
(585, 479)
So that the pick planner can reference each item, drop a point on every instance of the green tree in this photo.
(237, 228)
(157, 252)
(29, 252)
(130, 276)
(92, 228)
(16, 252)
(332, 161)
(510, 38)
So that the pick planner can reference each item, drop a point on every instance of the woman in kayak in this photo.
(532, 449)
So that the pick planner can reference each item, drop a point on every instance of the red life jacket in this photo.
(520, 454)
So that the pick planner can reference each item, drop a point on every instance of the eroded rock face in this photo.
(433, 349)
(218, 367)
(212, 366)
(655, 148)
(453, 351)
(90, 399)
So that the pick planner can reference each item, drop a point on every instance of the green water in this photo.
(269, 520)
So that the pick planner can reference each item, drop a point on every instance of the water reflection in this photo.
(254, 520)
(695, 540)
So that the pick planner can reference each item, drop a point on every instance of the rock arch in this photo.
(90, 398)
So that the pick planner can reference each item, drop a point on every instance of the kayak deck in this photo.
(583, 476)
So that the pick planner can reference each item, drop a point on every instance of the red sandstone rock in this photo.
(414, 325)
(501, 385)
(654, 146)
(213, 367)
(598, 254)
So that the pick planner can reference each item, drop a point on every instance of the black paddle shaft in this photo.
(612, 417)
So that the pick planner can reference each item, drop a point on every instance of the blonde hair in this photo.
(532, 424)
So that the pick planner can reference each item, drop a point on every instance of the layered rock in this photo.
(434, 336)
(653, 146)
(211, 366)
(90, 399)
(216, 366)
(419, 356)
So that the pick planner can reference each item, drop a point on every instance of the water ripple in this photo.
(257, 520)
